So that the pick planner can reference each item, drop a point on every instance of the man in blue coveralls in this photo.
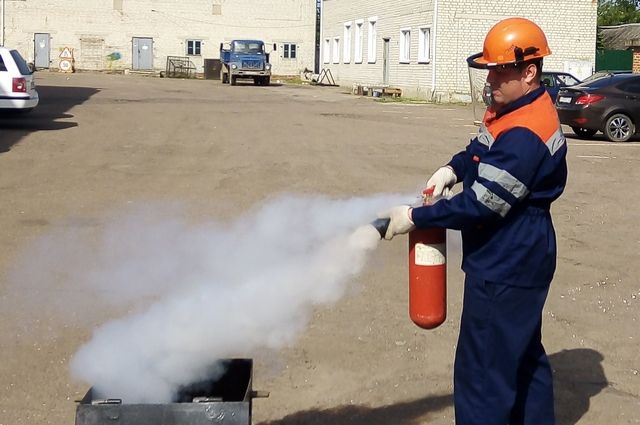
(511, 173)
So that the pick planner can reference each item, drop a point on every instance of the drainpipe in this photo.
(321, 52)
(435, 48)
(2, 41)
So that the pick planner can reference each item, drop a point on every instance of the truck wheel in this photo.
(225, 78)
(266, 81)
(234, 80)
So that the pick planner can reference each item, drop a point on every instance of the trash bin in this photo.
(212, 69)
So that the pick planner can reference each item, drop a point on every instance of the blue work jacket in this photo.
(511, 173)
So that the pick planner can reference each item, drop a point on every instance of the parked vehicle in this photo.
(609, 103)
(17, 87)
(245, 59)
(599, 74)
(554, 81)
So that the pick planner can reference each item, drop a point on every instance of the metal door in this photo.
(385, 62)
(42, 50)
(142, 53)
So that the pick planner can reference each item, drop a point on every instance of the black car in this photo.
(609, 103)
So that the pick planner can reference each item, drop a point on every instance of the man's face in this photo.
(507, 85)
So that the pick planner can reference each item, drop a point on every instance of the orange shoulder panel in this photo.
(540, 116)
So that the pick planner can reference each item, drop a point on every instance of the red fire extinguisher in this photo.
(427, 271)
(428, 274)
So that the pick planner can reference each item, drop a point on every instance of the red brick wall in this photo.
(636, 59)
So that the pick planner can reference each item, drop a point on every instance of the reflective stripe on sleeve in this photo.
(556, 141)
(484, 137)
(490, 199)
(504, 179)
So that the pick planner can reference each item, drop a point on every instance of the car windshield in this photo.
(595, 76)
(247, 47)
(22, 65)
(605, 81)
(601, 74)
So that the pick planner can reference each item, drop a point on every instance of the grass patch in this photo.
(288, 79)
(412, 100)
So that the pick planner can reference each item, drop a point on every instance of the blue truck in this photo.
(245, 59)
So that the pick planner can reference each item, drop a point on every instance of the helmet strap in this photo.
(520, 54)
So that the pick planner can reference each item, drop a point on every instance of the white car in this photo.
(17, 87)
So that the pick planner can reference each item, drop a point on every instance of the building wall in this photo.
(101, 31)
(458, 32)
(462, 25)
(391, 16)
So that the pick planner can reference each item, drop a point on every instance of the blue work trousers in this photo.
(501, 374)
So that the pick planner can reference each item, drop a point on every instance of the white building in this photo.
(140, 34)
(421, 46)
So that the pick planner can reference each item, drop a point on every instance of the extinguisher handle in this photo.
(427, 195)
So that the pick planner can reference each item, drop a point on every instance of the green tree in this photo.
(616, 12)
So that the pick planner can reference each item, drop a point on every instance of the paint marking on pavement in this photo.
(605, 144)
(595, 157)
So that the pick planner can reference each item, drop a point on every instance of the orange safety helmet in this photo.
(510, 42)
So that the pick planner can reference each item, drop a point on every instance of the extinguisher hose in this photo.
(381, 225)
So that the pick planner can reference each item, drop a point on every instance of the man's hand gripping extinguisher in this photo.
(427, 271)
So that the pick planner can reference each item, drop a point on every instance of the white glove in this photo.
(399, 223)
(443, 180)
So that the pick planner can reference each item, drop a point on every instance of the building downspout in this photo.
(321, 49)
(435, 49)
(2, 41)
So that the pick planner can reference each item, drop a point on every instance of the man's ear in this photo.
(531, 73)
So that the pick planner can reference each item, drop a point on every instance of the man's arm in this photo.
(505, 174)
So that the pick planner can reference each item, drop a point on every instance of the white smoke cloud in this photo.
(219, 290)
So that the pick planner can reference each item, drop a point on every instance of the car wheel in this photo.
(584, 133)
(233, 80)
(619, 128)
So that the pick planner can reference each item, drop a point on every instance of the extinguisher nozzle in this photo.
(381, 225)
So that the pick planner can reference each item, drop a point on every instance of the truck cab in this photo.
(245, 59)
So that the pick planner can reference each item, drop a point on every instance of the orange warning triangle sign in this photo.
(66, 53)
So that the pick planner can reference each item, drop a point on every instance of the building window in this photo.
(405, 45)
(327, 50)
(194, 47)
(371, 40)
(346, 54)
(358, 42)
(290, 51)
(336, 50)
(424, 45)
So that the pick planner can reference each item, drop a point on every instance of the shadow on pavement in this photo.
(408, 413)
(578, 375)
(55, 101)
(597, 138)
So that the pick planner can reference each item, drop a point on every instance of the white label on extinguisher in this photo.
(431, 255)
